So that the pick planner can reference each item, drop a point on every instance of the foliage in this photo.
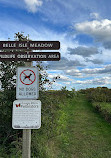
(99, 94)
(67, 93)
(104, 109)
(101, 100)
(7, 96)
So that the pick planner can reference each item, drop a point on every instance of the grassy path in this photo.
(81, 132)
(71, 128)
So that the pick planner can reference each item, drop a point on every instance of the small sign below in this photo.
(27, 83)
(26, 114)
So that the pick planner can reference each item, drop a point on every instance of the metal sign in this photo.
(27, 83)
(29, 56)
(35, 45)
(26, 114)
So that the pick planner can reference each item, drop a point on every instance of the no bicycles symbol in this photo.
(27, 77)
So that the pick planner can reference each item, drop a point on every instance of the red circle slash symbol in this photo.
(26, 76)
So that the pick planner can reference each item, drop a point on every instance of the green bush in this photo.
(104, 109)
(99, 94)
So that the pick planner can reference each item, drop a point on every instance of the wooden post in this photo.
(26, 147)
(26, 153)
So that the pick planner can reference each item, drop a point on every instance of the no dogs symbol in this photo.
(27, 77)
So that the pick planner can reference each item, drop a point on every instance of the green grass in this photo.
(82, 133)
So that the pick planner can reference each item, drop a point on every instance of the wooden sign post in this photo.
(9, 53)
(26, 147)
(26, 138)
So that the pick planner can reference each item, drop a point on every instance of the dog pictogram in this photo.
(27, 77)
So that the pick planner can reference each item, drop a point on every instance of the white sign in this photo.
(27, 83)
(26, 114)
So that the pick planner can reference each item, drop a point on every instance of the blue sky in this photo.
(83, 29)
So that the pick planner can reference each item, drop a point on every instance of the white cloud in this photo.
(73, 72)
(99, 29)
(104, 70)
(96, 28)
(32, 5)
(95, 81)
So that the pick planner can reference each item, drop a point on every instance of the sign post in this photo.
(26, 147)
(27, 110)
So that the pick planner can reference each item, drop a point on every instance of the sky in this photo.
(83, 28)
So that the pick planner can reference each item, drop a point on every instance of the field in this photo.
(72, 127)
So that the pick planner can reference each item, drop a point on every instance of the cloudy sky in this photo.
(83, 28)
